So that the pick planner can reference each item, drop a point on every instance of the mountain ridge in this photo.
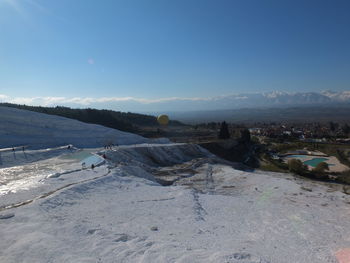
(250, 100)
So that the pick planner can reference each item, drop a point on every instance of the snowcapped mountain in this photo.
(278, 98)
(277, 106)
(253, 100)
(217, 102)
(342, 96)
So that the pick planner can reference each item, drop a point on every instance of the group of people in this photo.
(106, 147)
(110, 146)
(14, 149)
(83, 166)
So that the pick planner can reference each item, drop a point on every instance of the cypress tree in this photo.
(224, 132)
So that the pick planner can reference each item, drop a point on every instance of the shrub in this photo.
(245, 136)
(255, 140)
(224, 132)
(321, 167)
(344, 177)
(296, 166)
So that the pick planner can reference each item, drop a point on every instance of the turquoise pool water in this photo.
(315, 161)
(93, 159)
(83, 156)
(78, 155)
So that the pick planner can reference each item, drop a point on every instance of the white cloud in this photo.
(3, 97)
(20, 100)
(85, 101)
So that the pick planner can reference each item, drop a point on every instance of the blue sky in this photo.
(152, 49)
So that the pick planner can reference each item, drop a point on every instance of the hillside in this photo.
(124, 121)
(22, 127)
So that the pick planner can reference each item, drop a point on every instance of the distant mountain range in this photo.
(297, 114)
(245, 107)
(278, 98)
(248, 100)
(271, 106)
(171, 104)
(270, 99)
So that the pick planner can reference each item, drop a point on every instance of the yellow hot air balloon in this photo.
(163, 119)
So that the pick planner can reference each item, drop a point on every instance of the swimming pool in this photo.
(312, 162)
(315, 161)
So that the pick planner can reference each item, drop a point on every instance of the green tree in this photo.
(296, 166)
(346, 129)
(224, 132)
(245, 136)
(333, 126)
(321, 167)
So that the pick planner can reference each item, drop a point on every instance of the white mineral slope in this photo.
(218, 215)
(157, 155)
(38, 130)
(26, 181)
(9, 158)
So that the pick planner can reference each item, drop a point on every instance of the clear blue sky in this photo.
(163, 48)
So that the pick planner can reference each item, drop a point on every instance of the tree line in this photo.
(124, 121)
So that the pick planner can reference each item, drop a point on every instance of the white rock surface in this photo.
(117, 212)
(38, 130)
(218, 214)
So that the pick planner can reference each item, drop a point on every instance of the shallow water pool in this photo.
(315, 161)
(92, 159)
